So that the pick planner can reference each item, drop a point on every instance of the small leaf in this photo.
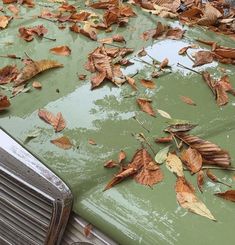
(61, 50)
(187, 100)
(164, 139)
(142, 53)
(164, 63)
(37, 85)
(164, 114)
(200, 180)
(145, 106)
(121, 156)
(59, 123)
(92, 142)
(4, 102)
(161, 156)
(62, 142)
(87, 230)
(202, 58)
(110, 164)
(148, 83)
(174, 164)
(227, 195)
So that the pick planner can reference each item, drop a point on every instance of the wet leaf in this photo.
(227, 195)
(187, 100)
(164, 114)
(62, 142)
(200, 180)
(92, 142)
(37, 85)
(192, 159)
(210, 152)
(87, 230)
(145, 106)
(148, 83)
(61, 50)
(121, 156)
(4, 102)
(34, 68)
(202, 58)
(161, 156)
(110, 164)
(8, 74)
(174, 164)
(187, 199)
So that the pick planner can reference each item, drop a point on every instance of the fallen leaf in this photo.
(110, 164)
(8, 74)
(34, 68)
(118, 38)
(37, 85)
(164, 139)
(4, 102)
(46, 116)
(61, 50)
(187, 199)
(164, 114)
(90, 33)
(215, 179)
(202, 58)
(187, 100)
(180, 127)
(92, 142)
(28, 33)
(142, 53)
(210, 152)
(4, 21)
(82, 77)
(200, 180)
(174, 164)
(121, 156)
(131, 81)
(161, 156)
(148, 83)
(164, 63)
(227, 195)
(62, 142)
(145, 106)
(192, 159)
(87, 230)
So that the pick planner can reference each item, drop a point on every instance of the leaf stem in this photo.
(48, 38)
(141, 124)
(10, 57)
(187, 68)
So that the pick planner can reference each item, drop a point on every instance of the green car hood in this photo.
(129, 212)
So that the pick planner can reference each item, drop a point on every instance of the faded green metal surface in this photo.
(129, 213)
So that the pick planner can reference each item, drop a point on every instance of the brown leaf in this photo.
(4, 21)
(202, 58)
(28, 33)
(227, 195)
(192, 159)
(87, 230)
(187, 199)
(90, 34)
(46, 116)
(59, 123)
(106, 4)
(131, 81)
(142, 53)
(187, 100)
(61, 50)
(200, 180)
(174, 164)
(121, 156)
(13, 9)
(82, 77)
(4, 102)
(184, 127)
(145, 106)
(8, 74)
(215, 179)
(92, 142)
(118, 38)
(164, 63)
(37, 85)
(110, 164)
(62, 142)
(164, 139)
(98, 79)
(210, 152)
(148, 83)
(184, 50)
(34, 68)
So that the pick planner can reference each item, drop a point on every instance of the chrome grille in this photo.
(34, 203)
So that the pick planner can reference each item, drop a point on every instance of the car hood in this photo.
(129, 212)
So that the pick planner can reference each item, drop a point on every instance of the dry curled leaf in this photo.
(8, 74)
(62, 142)
(37, 85)
(148, 83)
(192, 159)
(92, 142)
(210, 152)
(61, 50)
(145, 106)
(4, 102)
(202, 58)
(164, 139)
(174, 164)
(187, 100)
(200, 180)
(87, 230)
(187, 199)
(227, 195)
(33, 68)
(164, 63)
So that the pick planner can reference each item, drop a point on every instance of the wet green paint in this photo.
(129, 213)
